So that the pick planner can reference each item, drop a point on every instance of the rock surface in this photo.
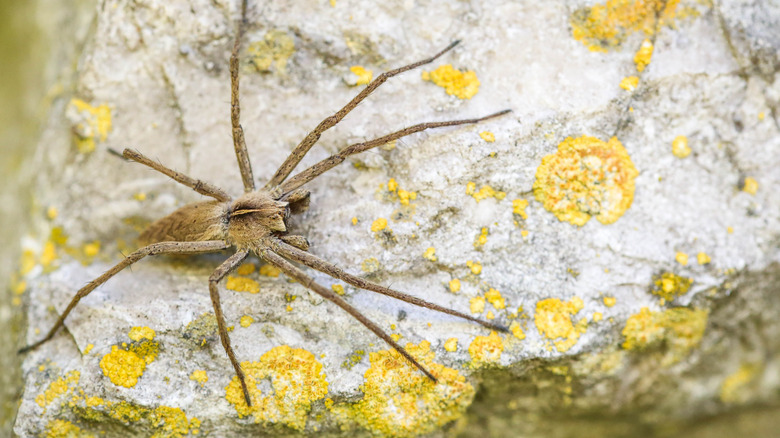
(639, 274)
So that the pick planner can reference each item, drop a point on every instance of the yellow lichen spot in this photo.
(138, 333)
(629, 83)
(48, 255)
(65, 429)
(27, 262)
(586, 177)
(761, 115)
(490, 315)
(395, 337)
(487, 136)
(93, 401)
(597, 316)
(172, 422)
(122, 367)
(245, 269)
(643, 55)
(451, 344)
(484, 192)
(454, 285)
(681, 258)
(610, 301)
(405, 196)
(363, 76)
(200, 376)
(289, 308)
(470, 187)
(57, 388)
(751, 186)
(524, 233)
(702, 258)
(494, 297)
(296, 381)
(670, 285)
(243, 284)
(354, 220)
(678, 329)
(245, 321)
(370, 265)
(339, 289)
(607, 25)
(275, 49)
(88, 348)
(553, 319)
(139, 196)
(477, 304)
(90, 123)
(463, 85)
(430, 254)
(91, 249)
(519, 206)
(476, 267)
(516, 330)
(52, 212)
(400, 401)
(730, 230)
(736, 388)
(392, 185)
(482, 238)
(680, 147)
(486, 349)
(269, 271)
(379, 224)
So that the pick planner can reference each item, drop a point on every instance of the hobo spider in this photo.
(256, 221)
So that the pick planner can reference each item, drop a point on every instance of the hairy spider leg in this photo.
(242, 155)
(309, 283)
(153, 249)
(303, 147)
(334, 160)
(314, 262)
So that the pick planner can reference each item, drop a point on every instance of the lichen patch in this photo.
(486, 350)
(553, 319)
(122, 367)
(461, 84)
(586, 178)
(679, 329)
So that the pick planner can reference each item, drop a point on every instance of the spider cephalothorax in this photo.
(256, 221)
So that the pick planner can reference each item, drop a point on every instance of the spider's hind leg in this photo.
(242, 155)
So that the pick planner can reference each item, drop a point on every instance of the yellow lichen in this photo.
(487, 136)
(370, 265)
(296, 381)
(354, 220)
(379, 224)
(91, 249)
(476, 267)
(750, 186)
(486, 349)
(27, 262)
(243, 284)
(607, 25)
(485, 192)
(586, 177)
(57, 388)
(454, 285)
(138, 333)
(275, 49)
(52, 212)
(91, 123)
(48, 255)
(736, 388)
(451, 344)
(88, 348)
(245, 269)
(553, 319)
(609, 301)
(669, 285)
(519, 206)
(463, 85)
(516, 330)
(339, 289)
(477, 304)
(597, 316)
(643, 55)
(629, 83)
(702, 258)
(679, 329)
(400, 401)
(200, 376)
(494, 297)
(122, 367)
(681, 258)
(482, 238)
(430, 254)
(269, 271)
(680, 148)
(363, 76)
(245, 321)
(65, 429)
(139, 196)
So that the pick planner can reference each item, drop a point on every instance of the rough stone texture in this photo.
(161, 68)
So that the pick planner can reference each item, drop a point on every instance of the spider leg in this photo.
(334, 271)
(153, 249)
(220, 273)
(334, 160)
(235, 109)
(298, 275)
(303, 147)
(199, 186)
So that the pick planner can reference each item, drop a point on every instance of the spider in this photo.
(257, 220)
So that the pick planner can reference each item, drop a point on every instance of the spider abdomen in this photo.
(199, 221)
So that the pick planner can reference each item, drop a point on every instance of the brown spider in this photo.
(257, 220)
